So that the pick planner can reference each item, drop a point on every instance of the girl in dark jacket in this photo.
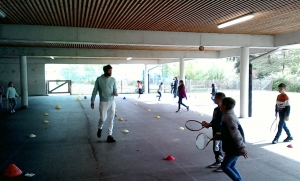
(181, 94)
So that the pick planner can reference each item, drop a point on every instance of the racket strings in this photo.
(201, 141)
(193, 125)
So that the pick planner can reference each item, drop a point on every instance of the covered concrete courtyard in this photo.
(151, 33)
(67, 147)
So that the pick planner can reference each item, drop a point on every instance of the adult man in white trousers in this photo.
(106, 86)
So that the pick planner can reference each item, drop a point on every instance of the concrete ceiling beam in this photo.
(130, 37)
(292, 38)
(70, 52)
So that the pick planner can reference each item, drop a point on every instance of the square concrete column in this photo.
(182, 70)
(244, 82)
(146, 79)
(24, 83)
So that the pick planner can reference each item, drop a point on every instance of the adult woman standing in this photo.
(181, 95)
(11, 94)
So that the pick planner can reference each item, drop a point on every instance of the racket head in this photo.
(274, 126)
(194, 125)
(202, 141)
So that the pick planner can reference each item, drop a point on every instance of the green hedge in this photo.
(291, 82)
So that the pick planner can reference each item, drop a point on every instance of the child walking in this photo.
(11, 94)
(159, 91)
(181, 95)
(282, 108)
(216, 124)
(233, 140)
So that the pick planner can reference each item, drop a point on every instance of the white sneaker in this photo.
(13, 111)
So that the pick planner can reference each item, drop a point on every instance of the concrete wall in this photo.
(10, 72)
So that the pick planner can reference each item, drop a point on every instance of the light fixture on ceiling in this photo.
(52, 57)
(129, 58)
(236, 21)
(2, 14)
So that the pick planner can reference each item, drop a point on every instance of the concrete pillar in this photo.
(146, 79)
(24, 83)
(244, 82)
(182, 70)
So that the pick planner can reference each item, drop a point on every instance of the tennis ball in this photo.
(200, 114)
(148, 110)
(120, 119)
(157, 117)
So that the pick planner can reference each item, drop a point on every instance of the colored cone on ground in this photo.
(45, 122)
(290, 146)
(157, 117)
(170, 157)
(46, 114)
(124, 98)
(32, 136)
(120, 119)
(57, 107)
(12, 171)
(125, 131)
(181, 128)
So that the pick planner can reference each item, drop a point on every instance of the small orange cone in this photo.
(170, 157)
(289, 146)
(12, 171)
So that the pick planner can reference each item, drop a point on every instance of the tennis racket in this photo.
(194, 125)
(202, 141)
(274, 125)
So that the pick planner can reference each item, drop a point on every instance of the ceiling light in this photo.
(129, 58)
(52, 57)
(2, 14)
(236, 21)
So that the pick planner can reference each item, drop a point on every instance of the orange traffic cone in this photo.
(289, 146)
(12, 171)
(170, 157)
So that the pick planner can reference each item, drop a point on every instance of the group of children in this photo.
(229, 139)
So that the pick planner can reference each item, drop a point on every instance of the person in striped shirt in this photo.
(282, 108)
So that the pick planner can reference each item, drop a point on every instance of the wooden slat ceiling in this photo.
(98, 46)
(272, 17)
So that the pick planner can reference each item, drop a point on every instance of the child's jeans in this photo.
(13, 103)
(217, 148)
(228, 167)
(282, 125)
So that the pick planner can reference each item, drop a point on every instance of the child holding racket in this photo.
(233, 140)
(216, 124)
(282, 108)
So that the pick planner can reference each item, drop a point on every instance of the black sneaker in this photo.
(288, 139)
(274, 141)
(188, 108)
(99, 133)
(110, 139)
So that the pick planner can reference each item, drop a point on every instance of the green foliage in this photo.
(192, 72)
(292, 84)
(81, 73)
(215, 74)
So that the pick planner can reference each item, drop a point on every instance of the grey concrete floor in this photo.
(67, 147)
